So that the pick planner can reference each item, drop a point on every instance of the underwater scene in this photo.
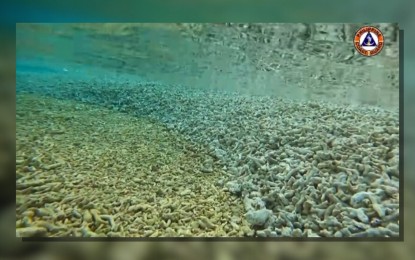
(206, 130)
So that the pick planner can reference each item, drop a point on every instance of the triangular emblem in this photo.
(369, 41)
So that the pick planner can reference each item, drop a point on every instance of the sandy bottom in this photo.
(83, 170)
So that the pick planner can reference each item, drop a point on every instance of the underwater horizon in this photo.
(206, 130)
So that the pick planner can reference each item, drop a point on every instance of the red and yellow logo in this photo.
(368, 41)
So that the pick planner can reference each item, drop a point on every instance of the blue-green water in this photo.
(132, 131)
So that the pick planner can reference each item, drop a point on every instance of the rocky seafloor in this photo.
(295, 168)
(84, 170)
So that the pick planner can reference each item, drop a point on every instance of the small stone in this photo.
(206, 169)
(29, 169)
(286, 232)
(261, 233)
(207, 223)
(258, 217)
(42, 212)
(31, 232)
(362, 216)
(393, 227)
(273, 234)
(234, 187)
(297, 233)
(185, 192)
(338, 234)
(250, 233)
(310, 233)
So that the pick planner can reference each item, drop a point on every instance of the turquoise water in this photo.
(142, 53)
(83, 53)
(261, 145)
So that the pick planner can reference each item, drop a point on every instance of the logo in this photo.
(368, 41)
